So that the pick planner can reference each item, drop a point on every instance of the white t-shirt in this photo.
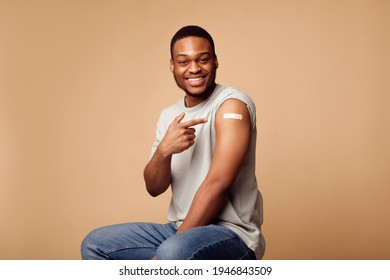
(242, 211)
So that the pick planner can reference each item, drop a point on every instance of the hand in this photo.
(154, 258)
(179, 136)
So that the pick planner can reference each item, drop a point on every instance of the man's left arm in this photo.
(233, 129)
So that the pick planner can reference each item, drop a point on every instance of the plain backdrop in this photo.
(82, 84)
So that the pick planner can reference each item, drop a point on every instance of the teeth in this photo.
(194, 79)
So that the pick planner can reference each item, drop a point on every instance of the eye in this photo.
(182, 62)
(204, 60)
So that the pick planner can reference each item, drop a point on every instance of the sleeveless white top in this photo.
(243, 210)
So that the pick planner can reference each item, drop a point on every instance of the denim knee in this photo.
(90, 246)
(171, 249)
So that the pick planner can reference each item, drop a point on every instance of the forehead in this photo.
(191, 46)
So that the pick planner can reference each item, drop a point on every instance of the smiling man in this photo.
(205, 152)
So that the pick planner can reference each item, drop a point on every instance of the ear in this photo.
(171, 65)
(216, 61)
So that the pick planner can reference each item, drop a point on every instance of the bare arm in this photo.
(232, 141)
(157, 173)
(178, 138)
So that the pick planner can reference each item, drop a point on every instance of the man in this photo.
(205, 150)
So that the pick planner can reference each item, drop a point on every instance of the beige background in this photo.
(83, 82)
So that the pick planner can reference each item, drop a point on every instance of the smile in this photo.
(195, 79)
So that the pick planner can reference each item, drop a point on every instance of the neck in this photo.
(191, 100)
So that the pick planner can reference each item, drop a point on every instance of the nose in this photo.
(194, 68)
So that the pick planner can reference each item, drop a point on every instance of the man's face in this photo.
(194, 67)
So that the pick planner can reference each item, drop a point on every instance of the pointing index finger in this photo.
(193, 122)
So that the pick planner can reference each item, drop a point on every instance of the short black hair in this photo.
(192, 31)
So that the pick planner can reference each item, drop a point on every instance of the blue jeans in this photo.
(142, 241)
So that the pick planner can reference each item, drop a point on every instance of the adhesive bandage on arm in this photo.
(232, 116)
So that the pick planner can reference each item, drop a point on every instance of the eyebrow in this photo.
(198, 54)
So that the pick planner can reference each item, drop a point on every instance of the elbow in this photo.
(156, 188)
(150, 186)
(152, 192)
(156, 184)
(151, 189)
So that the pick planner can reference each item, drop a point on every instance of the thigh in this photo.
(211, 242)
(132, 241)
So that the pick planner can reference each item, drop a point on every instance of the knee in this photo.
(90, 246)
(172, 249)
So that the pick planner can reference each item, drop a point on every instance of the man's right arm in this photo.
(178, 138)
(157, 173)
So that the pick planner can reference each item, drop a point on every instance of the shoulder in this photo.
(230, 98)
(169, 113)
(233, 110)
(224, 93)
(173, 107)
